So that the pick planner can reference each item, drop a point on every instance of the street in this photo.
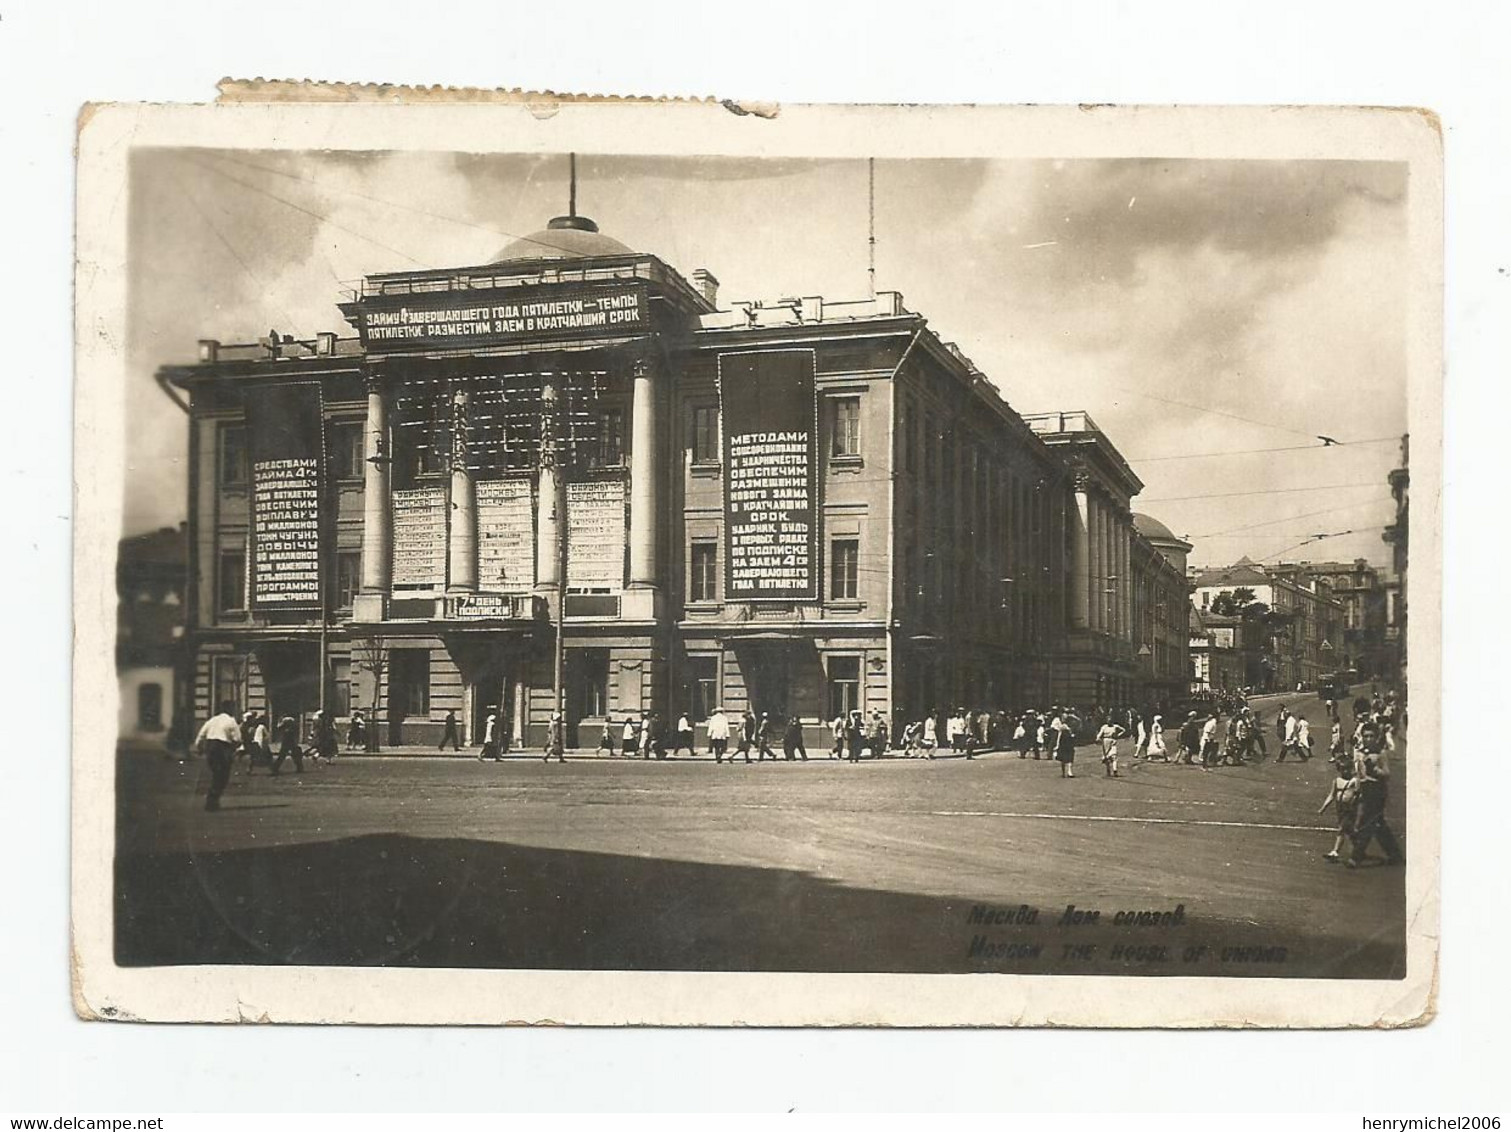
(892, 865)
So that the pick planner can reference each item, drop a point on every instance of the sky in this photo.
(1233, 307)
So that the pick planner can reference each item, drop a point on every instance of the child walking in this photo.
(1344, 797)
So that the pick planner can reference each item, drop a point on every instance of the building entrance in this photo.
(291, 675)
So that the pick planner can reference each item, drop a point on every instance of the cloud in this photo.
(1267, 290)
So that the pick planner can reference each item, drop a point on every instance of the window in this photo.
(702, 686)
(846, 426)
(844, 685)
(703, 574)
(705, 434)
(228, 683)
(149, 707)
(347, 460)
(588, 691)
(348, 577)
(341, 686)
(233, 456)
(844, 569)
(409, 684)
(610, 452)
(231, 583)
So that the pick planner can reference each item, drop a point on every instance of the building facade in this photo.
(1362, 590)
(1297, 637)
(567, 478)
(1222, 659)
(150, 648)
(1398, 536)
(1161, 609)
(1099, 663)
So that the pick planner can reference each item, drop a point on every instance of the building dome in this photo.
(1152, 529)
(565, 237)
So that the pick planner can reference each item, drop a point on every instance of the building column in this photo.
(1099, 566)
(550, 523)
(461, 531)
(645, 479)
(1080, 557)
(377, 516)
(1125, 548)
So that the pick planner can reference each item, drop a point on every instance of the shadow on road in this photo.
(404, 901)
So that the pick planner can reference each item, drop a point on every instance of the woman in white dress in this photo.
(1157, 741)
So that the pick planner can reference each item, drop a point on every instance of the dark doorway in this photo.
(766, 666)
(490, 695)
(291, 674)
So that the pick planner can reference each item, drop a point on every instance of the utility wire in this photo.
(264, 290)
(1318, 447)
(307, 212)
(1263, 491)
(393, 203)
(1288, 519)
(1218, 412)
(1318, 538)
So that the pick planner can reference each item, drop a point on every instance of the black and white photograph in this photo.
(584, 553)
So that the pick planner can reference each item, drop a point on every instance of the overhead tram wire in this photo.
(310, 213)
(1319, 538)
(1263, 491)
(395, 204)
(262, 287)
(1290, 519)
(1319, 447)
(1222, 413)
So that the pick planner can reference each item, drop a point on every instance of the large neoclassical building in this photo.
(569, 472)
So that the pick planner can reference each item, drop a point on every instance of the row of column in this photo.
(377, 510)
(1100, 566)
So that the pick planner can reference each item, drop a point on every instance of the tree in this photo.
(1236, 603)
(372, 657)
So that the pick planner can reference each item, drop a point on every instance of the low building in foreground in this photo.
(150, 653)
(569, 468)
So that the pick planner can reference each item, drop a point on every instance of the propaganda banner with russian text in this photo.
(770, 449)
(285, 439)
(428, 320)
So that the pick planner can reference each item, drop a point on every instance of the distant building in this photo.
(1299, 637)
(150, 577)
(1161, 608)
(1363, 591)
(1398, 536)
(1222, 656)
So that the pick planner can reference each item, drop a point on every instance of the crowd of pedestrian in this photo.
(1219, 731)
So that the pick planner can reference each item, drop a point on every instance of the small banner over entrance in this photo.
(770, 448)
(285, 435)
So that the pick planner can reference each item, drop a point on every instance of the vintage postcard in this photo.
(661, 563)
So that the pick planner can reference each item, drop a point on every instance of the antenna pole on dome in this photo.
(572, 179)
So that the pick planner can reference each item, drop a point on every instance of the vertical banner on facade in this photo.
(419, 538)
(285, 436)
(768, 415)
(506, 536)
(596, 535)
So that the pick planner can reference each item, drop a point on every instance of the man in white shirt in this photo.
(684, 735)
(718, 733)
(1209, 748)
(217, 741)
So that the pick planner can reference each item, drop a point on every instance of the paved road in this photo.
(686, 865)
